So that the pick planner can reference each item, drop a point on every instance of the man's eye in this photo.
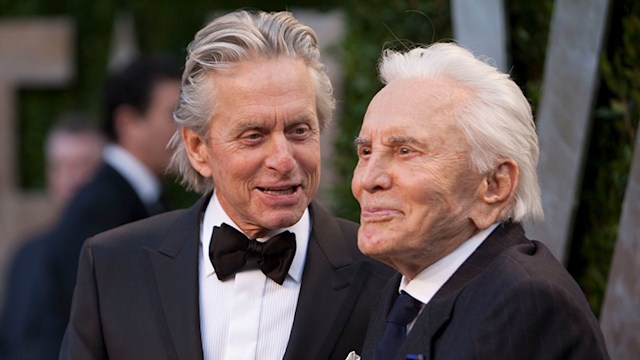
(364, 151)
(404, 150)
(252, 136)
(300, 132)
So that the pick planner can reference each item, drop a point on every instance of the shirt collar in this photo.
(215, 215)
(142, 180)
(425, 285)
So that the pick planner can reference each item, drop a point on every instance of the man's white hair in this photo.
(496, 120)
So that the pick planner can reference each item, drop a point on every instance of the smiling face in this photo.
(263, 150)
(413, 179)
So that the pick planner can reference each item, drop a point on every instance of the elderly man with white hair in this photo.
(446, 176)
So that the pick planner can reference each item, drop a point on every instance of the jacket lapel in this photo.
(173, 267)
(330, 284)
(437, 313)
(378, 320)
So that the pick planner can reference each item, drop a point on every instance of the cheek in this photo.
(236, 168)
(309, 159)
(230, 169)
(431, 185)
(312, 163)
(355, 182)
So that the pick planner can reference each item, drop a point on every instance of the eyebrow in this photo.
(398, 140)
(251, 126)
(361, 141)
(393, 140)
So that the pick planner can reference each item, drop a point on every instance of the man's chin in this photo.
(282, 219)
(371, 246)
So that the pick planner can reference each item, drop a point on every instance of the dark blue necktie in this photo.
(404, 310)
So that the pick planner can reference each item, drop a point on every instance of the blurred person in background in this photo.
(254, 270)
(73, 151)
(139, 100)
(73, 154)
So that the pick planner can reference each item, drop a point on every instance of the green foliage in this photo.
(610, 154)
(527, 42)
(371, 27)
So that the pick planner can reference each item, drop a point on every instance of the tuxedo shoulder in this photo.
(528, 269)
(145, 232)
(532, 260)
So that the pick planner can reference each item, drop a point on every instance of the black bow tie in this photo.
(230, 249)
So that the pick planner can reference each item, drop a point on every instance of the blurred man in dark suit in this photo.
(139, 101)
(73, 150)
(446, 174)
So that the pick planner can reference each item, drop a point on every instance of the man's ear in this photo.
(496, 193)
(196, 149)
(501, 182)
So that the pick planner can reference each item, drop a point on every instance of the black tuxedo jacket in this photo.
(104, 203)
(510, 300)
(137, 292)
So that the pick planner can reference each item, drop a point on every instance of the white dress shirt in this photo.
(427, 283)
(248, 316)
(142, 180)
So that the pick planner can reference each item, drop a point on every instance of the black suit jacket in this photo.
(510, 300)
(105, 202)
(25, 326)
(137, 292)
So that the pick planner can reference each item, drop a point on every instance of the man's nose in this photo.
(281, 156)
(376, 173)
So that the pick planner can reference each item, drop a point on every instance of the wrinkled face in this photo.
(158, 125)
(263, 149)
(413, 178)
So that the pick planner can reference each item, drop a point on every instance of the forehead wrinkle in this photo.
(452, 98)
(391, 140)
(443, 96)
(252, 125)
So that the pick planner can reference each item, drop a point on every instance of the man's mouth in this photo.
(288, 190)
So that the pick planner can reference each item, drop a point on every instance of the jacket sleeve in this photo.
(83, 337)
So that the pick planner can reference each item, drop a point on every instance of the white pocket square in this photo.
(352, 356)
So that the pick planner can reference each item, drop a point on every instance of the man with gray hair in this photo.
(446, 174)
(255, 269)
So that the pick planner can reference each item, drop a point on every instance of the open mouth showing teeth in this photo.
(279, 191)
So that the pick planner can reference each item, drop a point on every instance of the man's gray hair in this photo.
(496, 120)
(227, 40)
